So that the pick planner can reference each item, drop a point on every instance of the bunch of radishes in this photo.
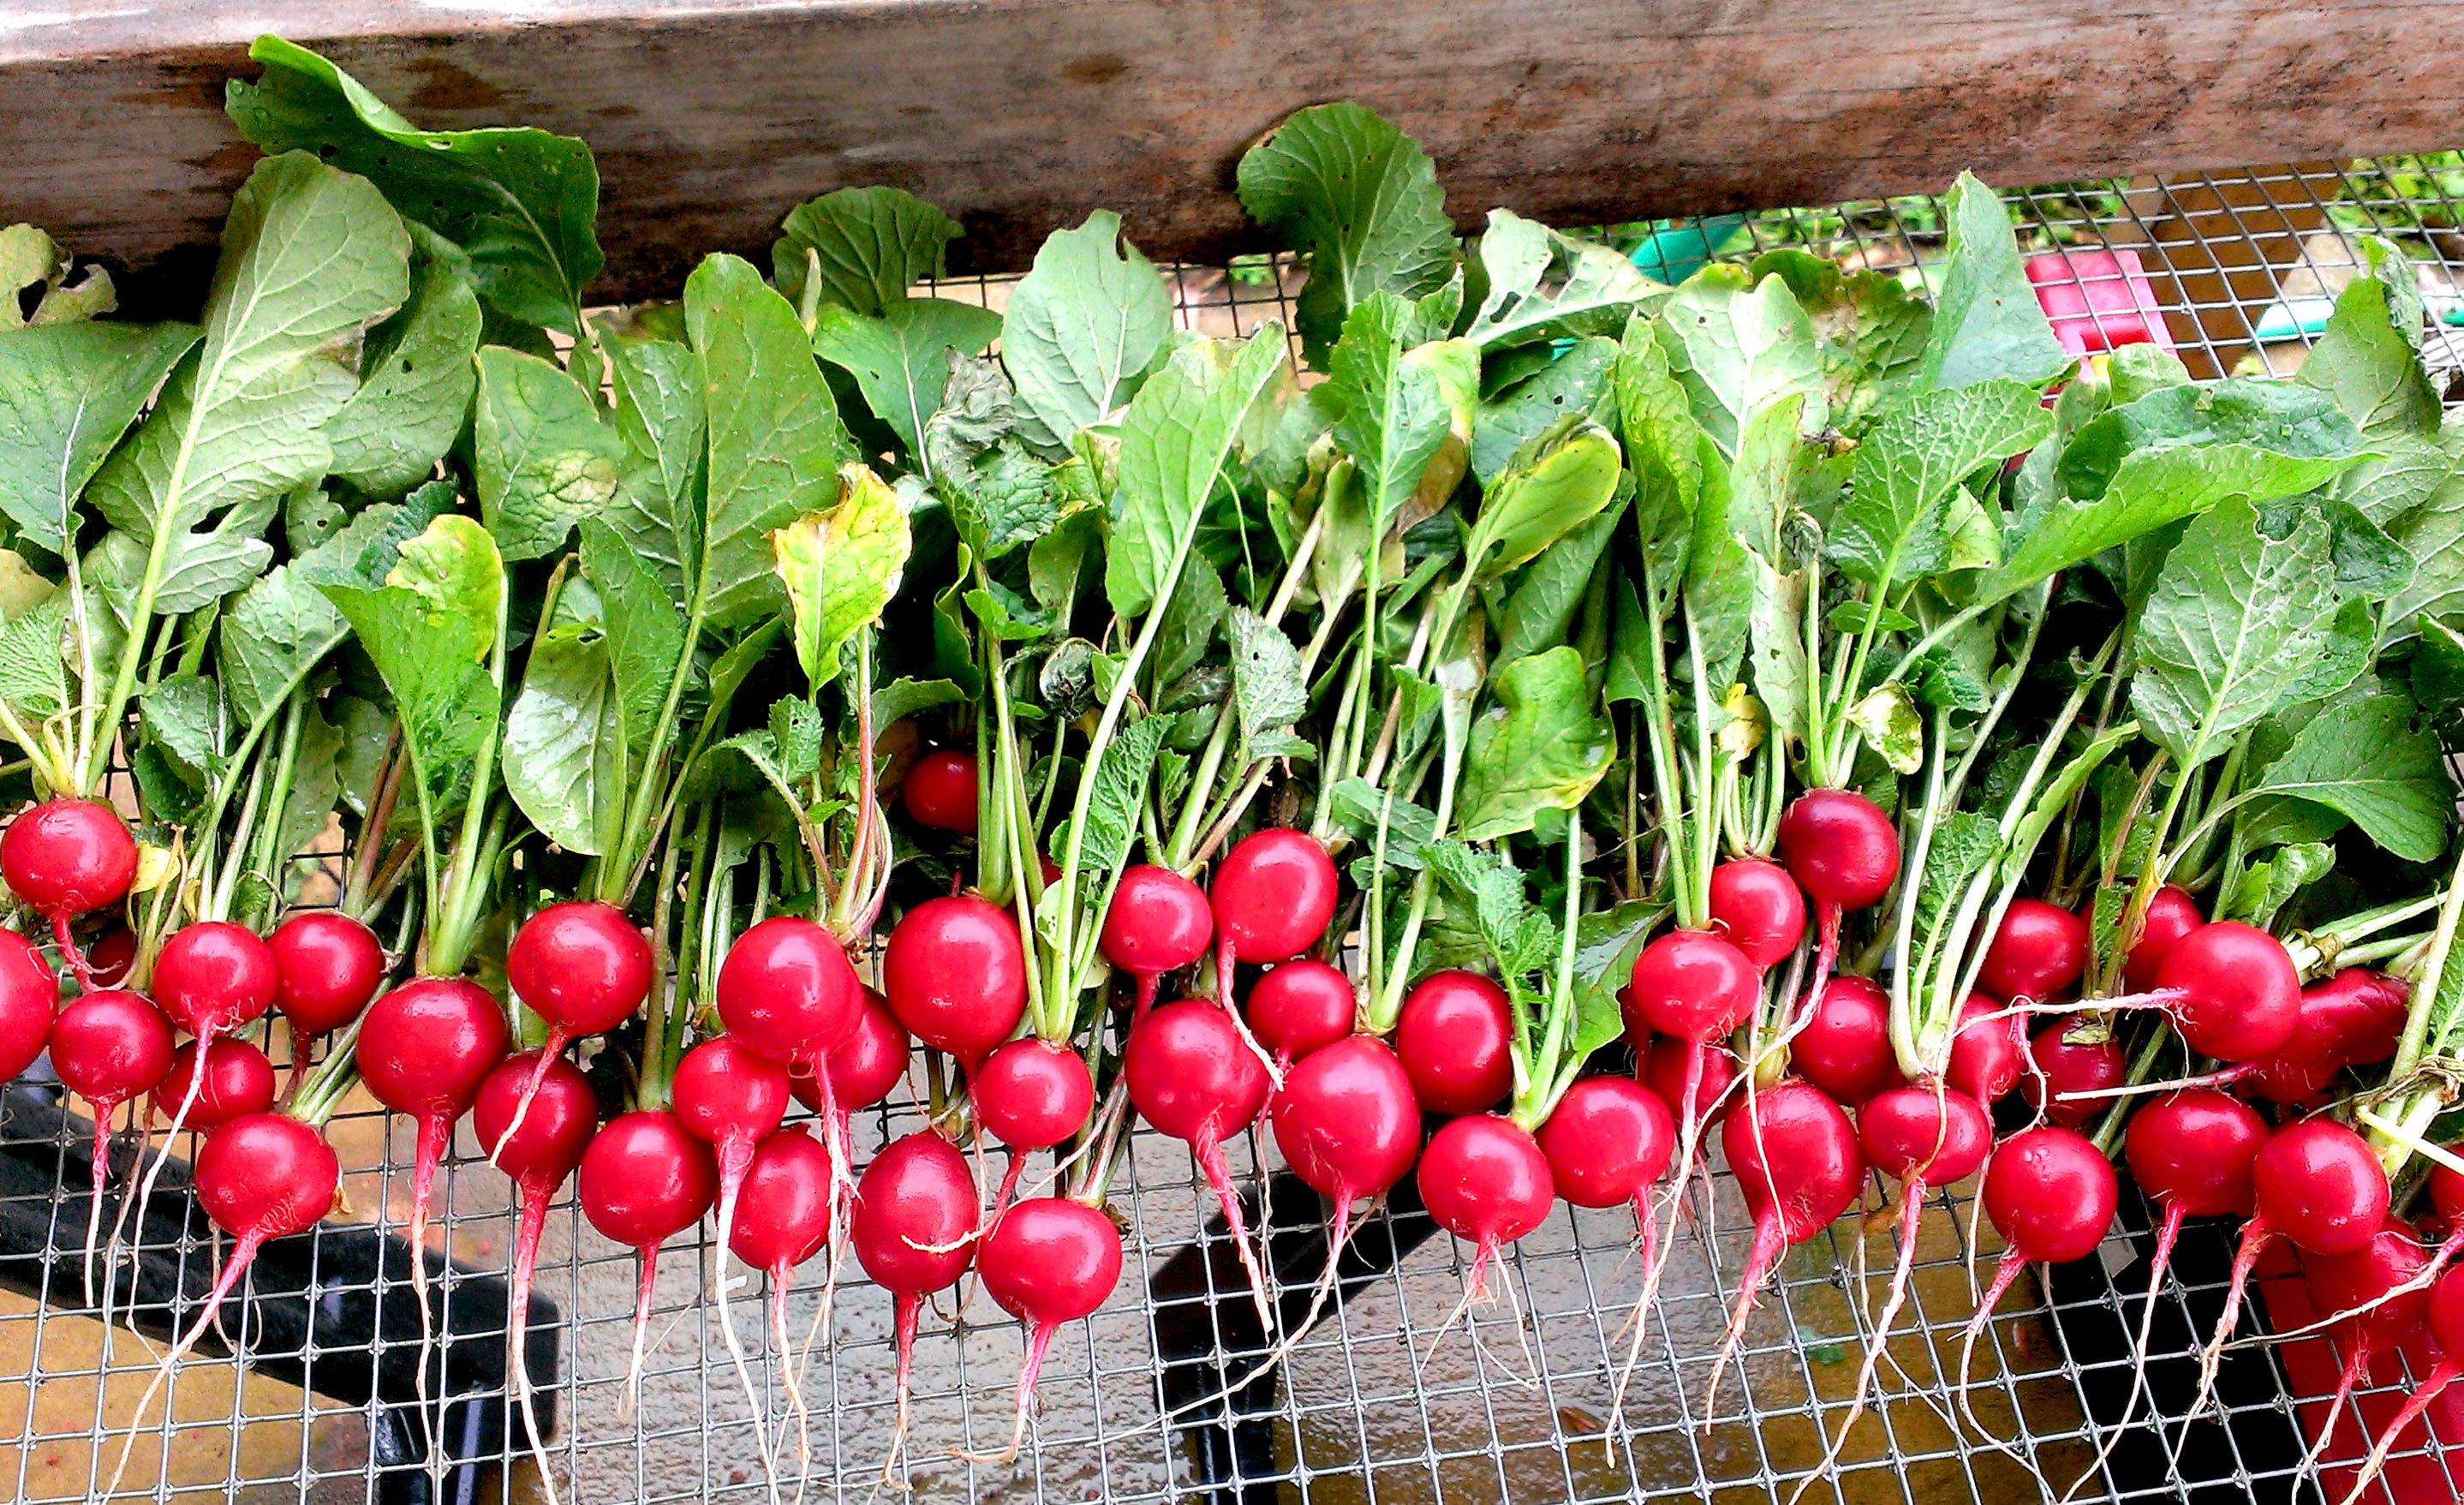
(1934, 757)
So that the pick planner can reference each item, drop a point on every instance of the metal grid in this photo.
(1374, 1404)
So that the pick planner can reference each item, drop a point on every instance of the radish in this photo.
(1046, 1262)
(212, 976)
(733, 1099)
(542, 1123)
(110, 960)
(2071, 1056)
(584, 969)
(67, 858)
(2354, 1018)
(644, 1180)
(1454, 1037)
(2234, 993)
(2382, 1294)
(108, 1048)
(784, 1215)
(1030, 1095)
(1691, 985)
(2313, 1183)
(1989, 1052)
(1347, 1122)
(1272, 898)
(1844, 852)
(1191, 1074)
(786, 991)
(1758, 908)
(1668, 1064)
(1799, 1166)
(1607, 1142)
(2446, 1338)
(913, 1231)
(2171, 914)
(327, 969)
(1159, 922)
(955, 976)
(939, 790)
(1300, 1008)
(2038, 951)
(1483, 1178)
(28, 996)
(238, 1080)
(424, 1049)
(259, 1177)
(1843, 1045)
(864, 1068)
(2051, 1194)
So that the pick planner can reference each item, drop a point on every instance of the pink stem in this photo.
(70, 953)
(1008, 1185)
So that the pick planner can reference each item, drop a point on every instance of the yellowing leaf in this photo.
(840, 567)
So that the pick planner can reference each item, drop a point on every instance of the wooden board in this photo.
(712, 117)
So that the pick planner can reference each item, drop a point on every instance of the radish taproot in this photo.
(2377, 1295)
(1484, 1180)
(2315, 1184)
(1272, 898)
(1191, 1075)
(1670, 1064)
(29, 995)
(2445, 1322)
(1844, 852)
(1800, 1167)
(582, 967)
(2172, 914)
(2051, 1194)
(939, 790)
(1048, 1261)
(1030, 1095)
(1157, 922)
(327, 966)
(67, 858)
(955, 976)
(212, 976)
(786, 991)
(1758, 908)
(1299, 1008)
(108, 1048)
(914, 1230)
(785, 1213)
(1989, 1050)
(2234, 993)
(1454, 1037)
(644, 1180)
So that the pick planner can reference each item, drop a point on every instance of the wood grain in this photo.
(712, 119)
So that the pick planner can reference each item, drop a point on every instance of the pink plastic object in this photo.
(2097, 300)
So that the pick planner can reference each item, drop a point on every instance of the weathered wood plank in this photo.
(711, 119)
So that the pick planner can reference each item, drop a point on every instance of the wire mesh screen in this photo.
(1401, 1392)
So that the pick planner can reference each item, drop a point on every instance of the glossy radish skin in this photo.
(2192, 1150)
(1665, 1065)
(2171, 914)
(1608, 1139)
(1925, 1132)
(111, 1047)
(1840, 846)
(1273, 897)
(1485, 1181)
(1799, 1167)
(782, 1214)
(327, 966)
(213, 977)
(2052, 1195)
(912, 1230)
(2377, 1271)
(2037, 953)
(1844, 1047)
(2354, 1018)
(866, 1067)
(583, 968)
(1191, 1074)
(424, 1049)
(1693, 985)
(556, 1125)
(2445, 1322)
(939, 790)
(110, 960)
(1030, 1095)
(1758, 908)
(1346, 1121)
(786, 991)
(732, 1098)
(238, 1080)
(1159, 922)
(644, 1180)
(2241, 998)
(955, 976)
(1300, 1008)
(68, 857)
(1048, 1261)
(2058, 1065)
(1454, 1037)
(1989, 1050)
(28, 996)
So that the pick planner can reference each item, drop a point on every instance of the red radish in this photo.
(1989, 1050)
(2239, 997)
(1346, 1121)
(109, 1047)
(1799, 1166)
(864, 1068)
(1607, 1142)
(1048, 1261)
(556, 1120)
(1691, 985)
(212, 976)
(109, 960)
(733, 1099)
(644, 1180)
(784, 1215)
(260, 1177)
(1030, 1095)
(424, 1049)
(955, 976)
(327, 969)
(913, 1232)
(2446, 1195)
(1758, 908)
(583, 968)
(28, 996)
(1272, 898)
(1844, 1045)
(1300, 1008)
(1844, 852)
(2061, 1062)
(940, 791)
(2446, 1338)
(1484, 1179)
(2038, 951)
(2354, 1018)
(1666, 1063)
(1159, 922)
(1191, 1074)
(2171, 914)
(1454, 1037)
(67, 858)
(786, 991)
(238, 1080)
(2315, 1182)
(2379, 1293)
(2051, 1194)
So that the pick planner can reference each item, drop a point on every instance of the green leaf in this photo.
(659, 415)
(1544, 285)
(1963, 844)
(2439, 666)
(543, 460)
(1892, 726)
(181, 716)
(416, 379)
(1581, 380)
(1120, 790)
(1359, 201)
(1357, 804)
(2365, 759)
(1557, 485)
(315, 793)
(29, 260)
(841, 568)
(1266, 682)
(1891, 528)
(34, 671)
(1776, 639)
(1084, 325)
(1393, 415)
(2370, 358)
(278, 630)
(642, 637)
(1175, 439)
(520, 203)
(871, 245)
(1871, 329)
(1736, 348)
(67, 393)
(1197, 609)
(901, 699)
(1518, 937)
(310, 257)
(1546, 752)
(1606, 944)
(2264, 888)
(901, 359)
(560, 735)
(1541, 612)
(1987, 323)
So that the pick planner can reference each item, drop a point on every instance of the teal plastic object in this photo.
(2292, 317)
(1679, 247)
